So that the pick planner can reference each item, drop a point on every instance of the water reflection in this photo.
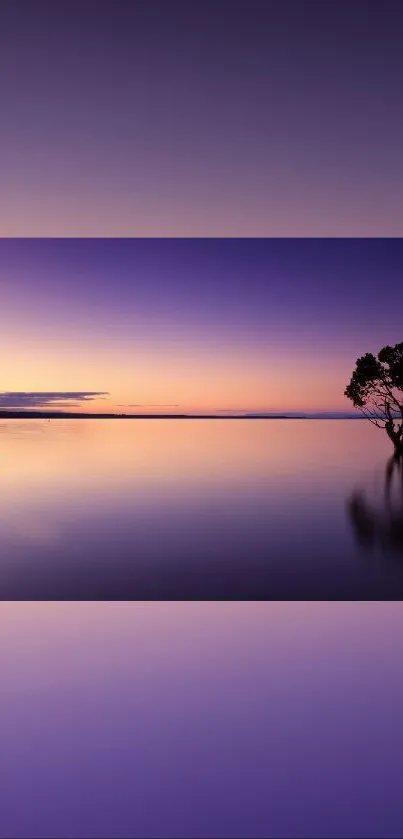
(154, 510)
(380, 526)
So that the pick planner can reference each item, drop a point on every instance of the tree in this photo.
(376, 388)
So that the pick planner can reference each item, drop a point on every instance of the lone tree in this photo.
(376, 387)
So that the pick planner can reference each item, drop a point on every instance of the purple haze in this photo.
(208, 117)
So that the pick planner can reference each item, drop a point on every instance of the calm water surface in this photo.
(201, 720)
(219, 509)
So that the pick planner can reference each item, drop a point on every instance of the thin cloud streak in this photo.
(42, 399)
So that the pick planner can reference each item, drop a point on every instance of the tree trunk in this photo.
(398, 449)
(396, 437)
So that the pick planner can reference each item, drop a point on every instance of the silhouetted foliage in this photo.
(376, 388)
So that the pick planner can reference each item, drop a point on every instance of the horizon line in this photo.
(20, 413)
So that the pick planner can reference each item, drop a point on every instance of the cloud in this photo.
(45, 399)
(152, 405)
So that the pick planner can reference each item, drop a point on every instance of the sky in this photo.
(193, 325)
(201, 118)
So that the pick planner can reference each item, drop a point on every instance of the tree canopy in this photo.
(376, 388)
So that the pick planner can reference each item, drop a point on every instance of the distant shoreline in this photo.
(4, 414)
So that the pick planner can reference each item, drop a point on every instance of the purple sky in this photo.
(218, 117)
(195, 325)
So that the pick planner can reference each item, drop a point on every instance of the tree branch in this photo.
(376, 409)
(389, 394)
(374, 421)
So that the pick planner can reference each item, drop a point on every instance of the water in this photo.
(198, 509)
(201, 720)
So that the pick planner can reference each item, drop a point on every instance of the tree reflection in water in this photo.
(381, 526)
